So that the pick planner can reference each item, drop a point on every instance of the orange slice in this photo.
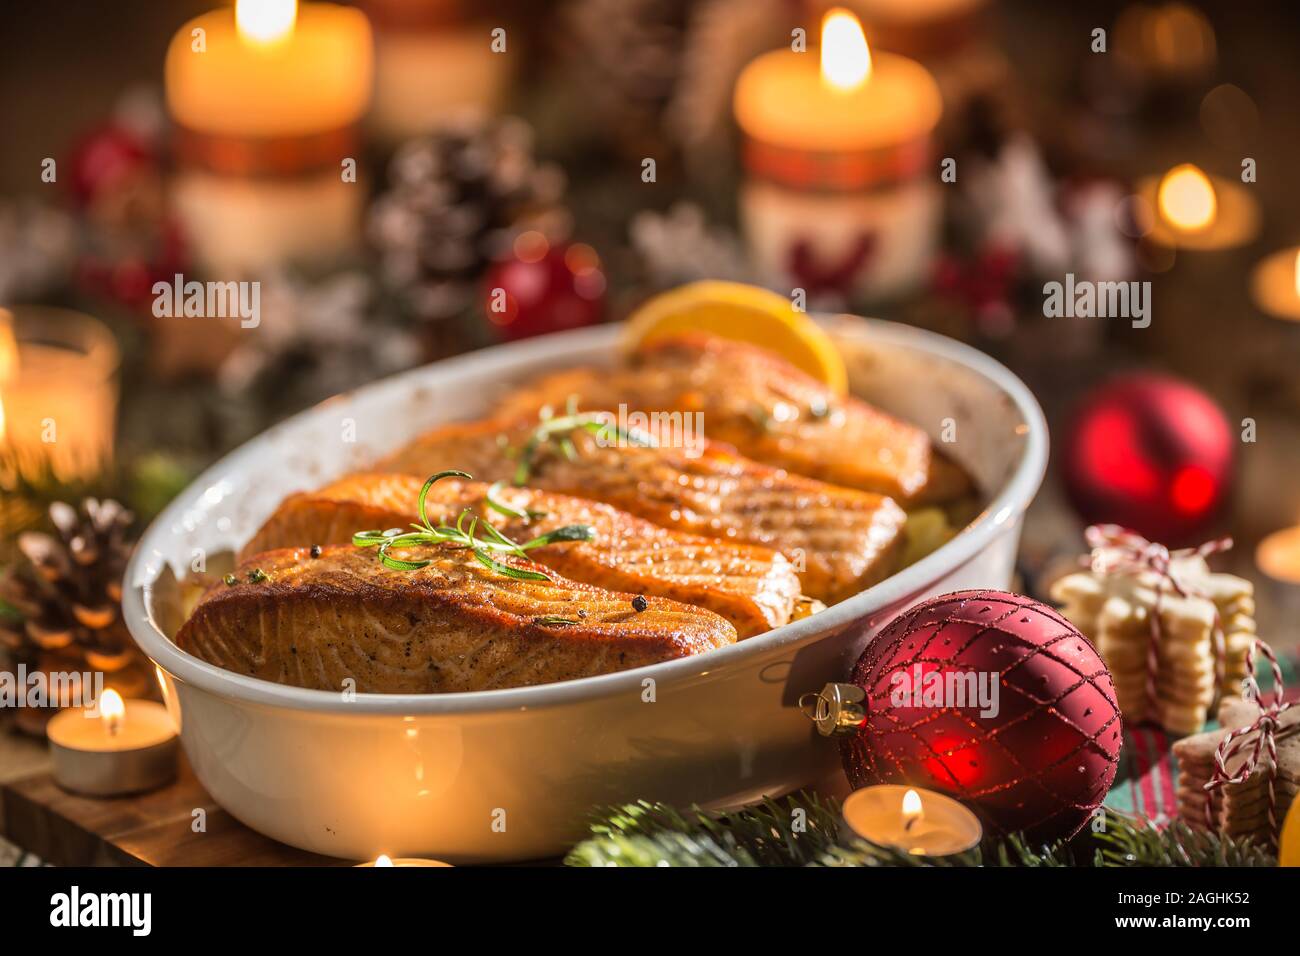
(744, 313)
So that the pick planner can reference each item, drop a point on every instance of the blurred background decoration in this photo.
(380, 167)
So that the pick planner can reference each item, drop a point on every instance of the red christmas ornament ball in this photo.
(1150, 453)
(107, 158)
(544, 287)
(996, 700)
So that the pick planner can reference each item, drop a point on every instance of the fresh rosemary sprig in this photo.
(493, 501)
(465, 537)
(560, 430)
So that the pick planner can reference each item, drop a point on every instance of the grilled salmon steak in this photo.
(755, 588)
(768, 409)
(840, 540)
(453, 625)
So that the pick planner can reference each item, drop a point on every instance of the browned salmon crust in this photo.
(454, 625)
(839, 540)
(767, 409)
(753, 587)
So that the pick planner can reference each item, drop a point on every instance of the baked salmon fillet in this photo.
(754, 588)
(839, 540)
(453, 625)
(766, 408)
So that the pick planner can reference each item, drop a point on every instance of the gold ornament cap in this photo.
(837, 710)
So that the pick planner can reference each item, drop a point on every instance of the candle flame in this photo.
(111, 710)
(1186, 198)
(911, 806)
(846, 59)
(383, 860)
(265, 22)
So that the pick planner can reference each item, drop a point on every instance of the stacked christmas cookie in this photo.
(1175, 640)
(1240, 808)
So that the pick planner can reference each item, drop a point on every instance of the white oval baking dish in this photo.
(513, 774)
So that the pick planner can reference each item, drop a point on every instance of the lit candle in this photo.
(1198, 212)
(266, 99)
(1169, 45)
(1278, 555)
(383, 860)
(921, 822)
(432, 67)
(840, 195)
(1275, 284)
(58, 396)
(117, 747)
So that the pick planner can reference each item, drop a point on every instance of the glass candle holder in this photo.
(58, 396)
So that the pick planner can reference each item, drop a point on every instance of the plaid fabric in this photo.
(1148, 773)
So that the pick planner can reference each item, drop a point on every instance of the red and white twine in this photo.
(1267, 728)
(1117, 550)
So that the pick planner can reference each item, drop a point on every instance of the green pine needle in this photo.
(775, 833)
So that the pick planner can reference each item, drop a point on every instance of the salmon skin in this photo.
(755, 588)
(840, 541)
(345, 621)
(766, 408)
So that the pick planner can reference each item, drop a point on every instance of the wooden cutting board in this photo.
(150, 829)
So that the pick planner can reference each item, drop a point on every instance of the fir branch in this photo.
(791, 831)
(654, 834)
(1129, 842)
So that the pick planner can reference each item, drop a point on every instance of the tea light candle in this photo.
(115, 748)
(921, 822)
(1198, 212)
(1275, 284)
(58, 395)
(839, 195)
(266, 99)
(384, 861)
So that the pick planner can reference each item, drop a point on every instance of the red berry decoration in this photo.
(1149, 453)
(545, 288)
(1036, 756)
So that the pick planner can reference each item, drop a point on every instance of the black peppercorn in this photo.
(315, 550)
(639, 603)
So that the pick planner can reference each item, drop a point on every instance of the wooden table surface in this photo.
(152, 829)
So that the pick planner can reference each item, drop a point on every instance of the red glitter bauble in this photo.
(1149, 453)
(1035, 756)
(545, 288)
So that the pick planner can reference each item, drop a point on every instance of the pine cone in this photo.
(67, 593)
(455, 201)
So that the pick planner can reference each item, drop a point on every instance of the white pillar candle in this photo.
(434, 67)
(840, 191)
(266, 98)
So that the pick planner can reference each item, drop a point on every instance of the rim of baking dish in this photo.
(1006, 507)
